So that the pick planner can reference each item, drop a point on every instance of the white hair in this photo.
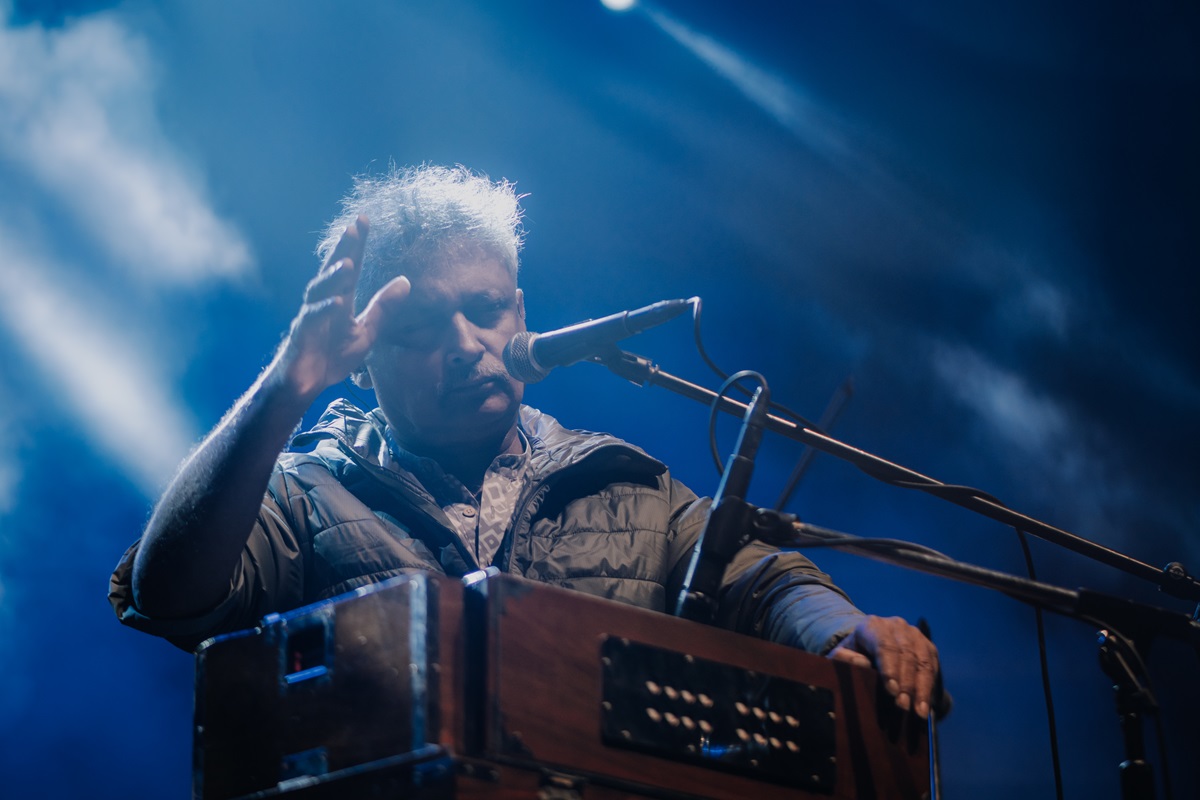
(422, 216)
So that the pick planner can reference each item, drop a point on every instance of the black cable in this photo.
(351, 389)
(697, 303)
(931, 487)
(951, 492)
(697, 307)
(714, 409)
(1051, 718)
(946, 491)
(873, 543)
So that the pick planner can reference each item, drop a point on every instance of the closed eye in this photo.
(410, 331)
(488, 312)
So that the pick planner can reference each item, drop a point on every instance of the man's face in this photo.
(438, 368)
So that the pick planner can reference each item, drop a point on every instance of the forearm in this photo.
(194, 540)
(196, 534)
(783, 597)
(780, 596)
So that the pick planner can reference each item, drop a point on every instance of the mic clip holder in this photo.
(1135, 701)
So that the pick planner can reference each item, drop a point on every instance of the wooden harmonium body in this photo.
(422, 687)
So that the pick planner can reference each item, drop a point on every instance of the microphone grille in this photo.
(518, 359)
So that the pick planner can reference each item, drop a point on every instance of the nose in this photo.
(464, 346)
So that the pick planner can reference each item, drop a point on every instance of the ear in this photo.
(521, 305)
(361, 378)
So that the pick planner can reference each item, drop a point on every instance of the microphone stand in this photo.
(1172, 579)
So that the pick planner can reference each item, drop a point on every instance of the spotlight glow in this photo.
(618, 5)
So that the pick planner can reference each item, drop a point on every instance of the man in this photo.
(450, 473)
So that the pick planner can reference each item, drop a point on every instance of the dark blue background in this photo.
(984, 214)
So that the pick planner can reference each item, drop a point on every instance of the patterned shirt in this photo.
(480, 518)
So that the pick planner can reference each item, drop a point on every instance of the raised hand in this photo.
(327, 341)
(195, 537)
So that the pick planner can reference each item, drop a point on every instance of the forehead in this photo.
(453, 279)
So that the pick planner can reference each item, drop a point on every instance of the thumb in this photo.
(385, 301)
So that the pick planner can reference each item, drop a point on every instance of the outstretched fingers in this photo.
(338, 280)
(339, 274)
(325, 342)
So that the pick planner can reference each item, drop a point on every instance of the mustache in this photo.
(486, 369)
(483, 370)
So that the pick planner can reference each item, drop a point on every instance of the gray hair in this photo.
(422, 216)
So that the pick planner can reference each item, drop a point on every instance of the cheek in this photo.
(401, 375)
(499, 337)
(394, 360)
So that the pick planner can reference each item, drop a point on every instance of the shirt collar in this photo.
(434, 478)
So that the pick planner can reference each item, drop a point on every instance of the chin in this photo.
(503, 402)
(494, 415)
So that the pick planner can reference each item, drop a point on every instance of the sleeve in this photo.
(767, 592)
(268, 577)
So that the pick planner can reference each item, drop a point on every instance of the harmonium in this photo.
(498, 687)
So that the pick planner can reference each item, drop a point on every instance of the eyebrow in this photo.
(430, 307)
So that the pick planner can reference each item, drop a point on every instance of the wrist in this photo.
(291, 383)
(278, 394)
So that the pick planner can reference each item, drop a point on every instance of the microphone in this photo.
(729, 518)
(529, 357)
